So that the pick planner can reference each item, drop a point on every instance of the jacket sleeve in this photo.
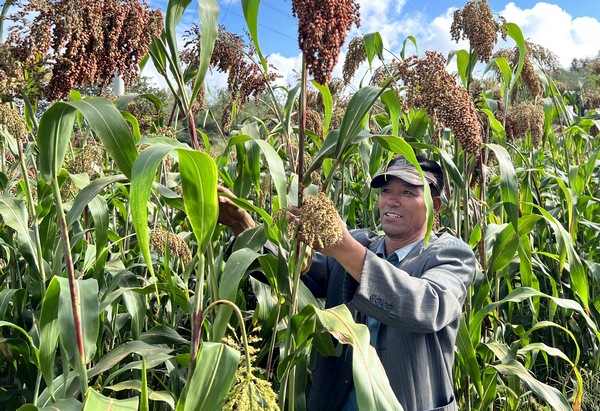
(424, 300)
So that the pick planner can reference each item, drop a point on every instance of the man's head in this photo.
(400, 168)
(402, 199)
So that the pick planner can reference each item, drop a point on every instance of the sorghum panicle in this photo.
(322, 27)
(528, 117)
(355, 56)
(431, 87)
(476, 23)
(177, 246)
(13, 122)
(319, 222)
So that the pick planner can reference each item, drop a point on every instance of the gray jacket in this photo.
(419, 305)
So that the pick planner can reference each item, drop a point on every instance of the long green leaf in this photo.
(142, 176)
(209, 16)
(199, 185)
(211, 382)
(49, 332)
(250, 8)
(66, 404)
(14, 215)
(508, 184)
(95, 401)
(358, 107)
(373, 46)
(373, 389)
(87, 291)
(87, 194)
(235, 269)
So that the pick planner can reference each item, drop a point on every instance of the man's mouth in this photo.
(392, 215)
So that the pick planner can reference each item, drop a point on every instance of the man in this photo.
(409, 293)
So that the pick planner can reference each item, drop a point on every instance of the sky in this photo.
(569, 28)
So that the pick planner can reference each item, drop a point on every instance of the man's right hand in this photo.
(231, 214)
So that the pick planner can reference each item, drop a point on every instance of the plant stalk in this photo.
(75, 305)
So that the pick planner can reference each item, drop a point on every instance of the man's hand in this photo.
(232, 215)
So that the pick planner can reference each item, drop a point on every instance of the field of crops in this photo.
(120, 290)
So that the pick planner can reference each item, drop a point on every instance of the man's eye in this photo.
(408, 193)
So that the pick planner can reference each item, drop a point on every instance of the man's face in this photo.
(403, 211)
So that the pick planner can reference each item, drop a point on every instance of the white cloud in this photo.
(550, 26)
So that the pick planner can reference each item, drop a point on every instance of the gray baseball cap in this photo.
(405, 171)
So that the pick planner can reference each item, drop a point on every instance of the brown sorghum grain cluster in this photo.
(318, 221)
(165, 131)
(314, 122)
(476, 23)
(13, 122)
(322, 27)
(90, 160)
(527, 117)
(245, 79)
(355, 56)
(530, 79)
(86, 41)
(431, 87)
(145, 113)
(12, 81)
(338, 113)
(590, 98)
(177, 246)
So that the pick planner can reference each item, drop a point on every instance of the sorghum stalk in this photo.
(64, 235)
(31, 208)
(197, 316)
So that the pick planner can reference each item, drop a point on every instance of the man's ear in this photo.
(437, 203)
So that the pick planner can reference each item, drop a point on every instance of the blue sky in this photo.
(569, 28)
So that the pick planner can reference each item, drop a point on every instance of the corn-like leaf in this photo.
(250, 8)
(510, 366)
(235, 269)
(373, 46)
(136, 385)
(95, 401)
(211, 382)
(142, 176)
(56, 127)
(14, 215)
(199, 186)
(66, 404)
(509, 187)
(87, 291)
(327, 105)
(373, 389)
(49, 332)
(209, 16)
(352, 122)
(390, 99)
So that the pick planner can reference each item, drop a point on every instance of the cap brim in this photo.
(408, 175)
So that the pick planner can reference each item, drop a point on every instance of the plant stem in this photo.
(197, 315)
(34, 224)
(75, 305)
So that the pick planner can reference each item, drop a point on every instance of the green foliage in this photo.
(94, 313)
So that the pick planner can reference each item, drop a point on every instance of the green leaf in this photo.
(14, 215)
(211, 381)
(87, 293)
(467, 352)
(250, 8)
(142, 176)
(511, 366)
(136, 385)
(235, 269)
(87, 194)
(373, 46)
(56, 127)
(358, 107)
(373, 389)
(209, 16)
(418, 125)
(67, 404)
(509, 188)
(390, 99)
(49, 332)
(327, 105)
(95, 401)
(116, 355)
(514, 31)
(199, 185)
